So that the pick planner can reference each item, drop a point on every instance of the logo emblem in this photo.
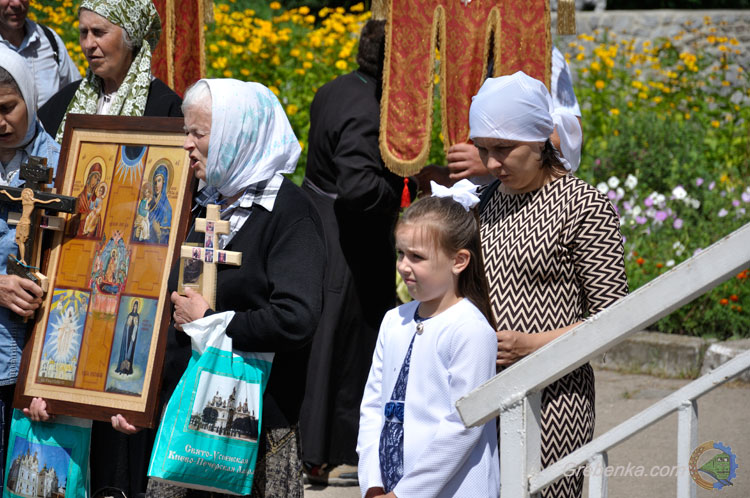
(719, 465)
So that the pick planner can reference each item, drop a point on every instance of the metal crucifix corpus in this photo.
(213, 226)
(31, 197)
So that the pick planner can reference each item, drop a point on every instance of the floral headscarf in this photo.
(141, 21)
(251, 138)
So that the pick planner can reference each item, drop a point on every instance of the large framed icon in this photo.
(98, 340)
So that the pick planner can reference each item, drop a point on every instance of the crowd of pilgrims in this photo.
(503, 251)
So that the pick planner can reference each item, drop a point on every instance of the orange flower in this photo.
(659, 265)
(733, 298)
(635, 253)
(640, 261)
(723, 302)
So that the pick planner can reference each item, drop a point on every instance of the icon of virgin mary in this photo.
(160, 215)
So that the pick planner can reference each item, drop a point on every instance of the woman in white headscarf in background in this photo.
(240, 142)
(552, 249)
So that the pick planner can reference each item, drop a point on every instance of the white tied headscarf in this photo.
(24, 76)
(251, 138)
(519, 107)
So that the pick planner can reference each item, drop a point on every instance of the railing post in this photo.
(687, 440)
(598, 478)
(520, 446)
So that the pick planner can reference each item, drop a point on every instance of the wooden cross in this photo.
(213, 226)
(31, 196)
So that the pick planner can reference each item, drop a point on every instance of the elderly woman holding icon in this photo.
(240, 144)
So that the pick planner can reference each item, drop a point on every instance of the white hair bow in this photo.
(463, 192)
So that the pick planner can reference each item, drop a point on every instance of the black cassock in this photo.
(127, 345)
(358, 200)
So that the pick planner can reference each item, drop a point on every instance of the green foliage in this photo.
(667, 139)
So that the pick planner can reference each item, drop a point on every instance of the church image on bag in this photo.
(26, 479)
(226, 417)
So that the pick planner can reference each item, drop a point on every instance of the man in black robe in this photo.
(358, 200)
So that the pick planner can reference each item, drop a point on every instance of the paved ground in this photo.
(724, 415)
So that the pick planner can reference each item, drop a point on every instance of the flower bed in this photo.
(665, 125)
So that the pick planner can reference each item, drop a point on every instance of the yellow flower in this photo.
(275, 5)
(725, 83)
(657, 100)
(302, 145)
(595, 66)
(341, 64)
(642, 95)
(227, 73)
(309, 56)
(436, 79)
(715, 123)
(616, 133)
(614, 111)
(294, 52)
(310, 19)
(360, 7)
(301, 72)
(274, 90)
(245, 72)
(292, 109)
(687, 115)
(307, 64)
(599, 84)
(304, 10)
(580, 56)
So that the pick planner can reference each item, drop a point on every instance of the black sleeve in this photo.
(295, 267)
(162, 101)
(363, 183)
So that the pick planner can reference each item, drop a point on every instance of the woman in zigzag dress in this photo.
(552, 248)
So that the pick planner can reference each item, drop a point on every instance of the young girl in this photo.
(429, 353)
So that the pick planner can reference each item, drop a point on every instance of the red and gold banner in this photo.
(517, 32)
(179, 59)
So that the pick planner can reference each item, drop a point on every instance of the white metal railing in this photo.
(515, 393)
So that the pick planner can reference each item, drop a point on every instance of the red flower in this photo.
(640, 261)
(723, 302)
(734, 297)
(659, 265)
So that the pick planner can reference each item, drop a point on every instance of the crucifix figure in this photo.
(32, 196)
(210, 254)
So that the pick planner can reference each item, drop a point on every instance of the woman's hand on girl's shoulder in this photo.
(512, 346)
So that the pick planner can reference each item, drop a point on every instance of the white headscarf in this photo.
(519, 107)
(251, 138)
(24, 76)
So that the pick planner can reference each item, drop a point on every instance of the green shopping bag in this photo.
(47, 458)
(208, 437)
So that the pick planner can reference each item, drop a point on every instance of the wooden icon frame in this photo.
(108, 281)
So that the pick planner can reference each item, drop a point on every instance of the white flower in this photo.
(695, 203)
(678, 248)
(679, 193)
(722, 213)
(613, 182)
(603, 188)
(659, 199)
(631, 181)
(637, 210)
(670, 263)
(620, 193)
